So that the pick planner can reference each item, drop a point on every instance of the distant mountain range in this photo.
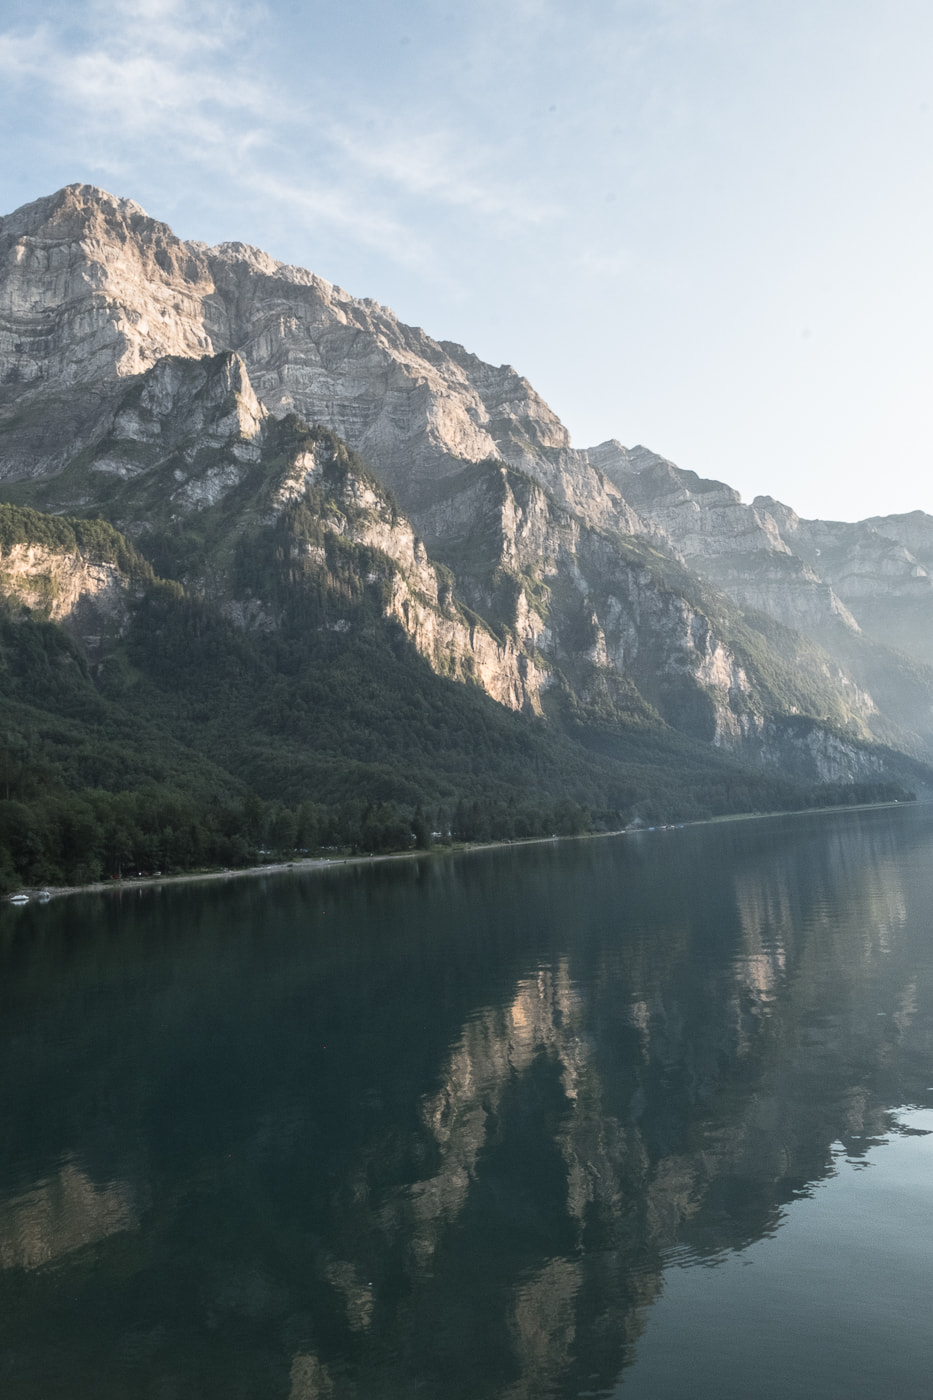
(342, 552)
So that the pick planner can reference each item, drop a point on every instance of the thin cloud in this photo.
(315, 204)
(162, 80)
(435, 165)
(155, 85)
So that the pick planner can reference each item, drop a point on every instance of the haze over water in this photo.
(647, 1116)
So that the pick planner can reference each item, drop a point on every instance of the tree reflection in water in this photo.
(443, 1126)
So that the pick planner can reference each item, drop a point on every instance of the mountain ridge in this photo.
(199, 400)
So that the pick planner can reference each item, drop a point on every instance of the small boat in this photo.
(19, 898)
(43, 896)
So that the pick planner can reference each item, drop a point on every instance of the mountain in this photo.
(354, 532)
(863, 592)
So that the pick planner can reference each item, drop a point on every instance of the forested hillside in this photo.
(190, 742)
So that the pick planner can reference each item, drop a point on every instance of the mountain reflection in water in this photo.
(451, 1126)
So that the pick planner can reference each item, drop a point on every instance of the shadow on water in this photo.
(436, 1127)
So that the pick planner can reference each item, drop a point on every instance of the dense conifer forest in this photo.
(195, 744)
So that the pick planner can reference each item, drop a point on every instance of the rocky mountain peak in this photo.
(93, 290)
(786, 520)
(73, 207)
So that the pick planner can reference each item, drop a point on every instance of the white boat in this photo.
(19, 898)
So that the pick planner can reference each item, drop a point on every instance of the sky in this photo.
(701, 225)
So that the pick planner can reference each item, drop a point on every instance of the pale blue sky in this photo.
(704, 225)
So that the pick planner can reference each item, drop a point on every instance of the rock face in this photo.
(862, 592)
(806, 573)
(191, 438)
(700, 517)
(151, 379)
(83, 593)
(94, 289)
(414, 593)
(882, 569)
(738, 546)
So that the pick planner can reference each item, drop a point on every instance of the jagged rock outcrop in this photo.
(205, 403)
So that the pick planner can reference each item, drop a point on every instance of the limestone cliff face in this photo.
(881, 568)
(93, 288)
(415, 593)
(173, 440)
(818, 576)
(888, 556)
(781, 585)
(739, 547)
(605, 615)
(858, 591)
(87, 596)
(699, 517)
(403, 401)
(193, 405)
(804, 749)
(913, 530)
(554, 601)
(189, 441)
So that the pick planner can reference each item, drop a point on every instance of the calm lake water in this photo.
(649, 1116)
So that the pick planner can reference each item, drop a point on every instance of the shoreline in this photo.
(281, 867)
(141, 882)
(318, 863)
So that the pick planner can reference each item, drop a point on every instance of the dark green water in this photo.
(645, 1116)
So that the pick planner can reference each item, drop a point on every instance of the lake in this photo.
(645, 1116)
